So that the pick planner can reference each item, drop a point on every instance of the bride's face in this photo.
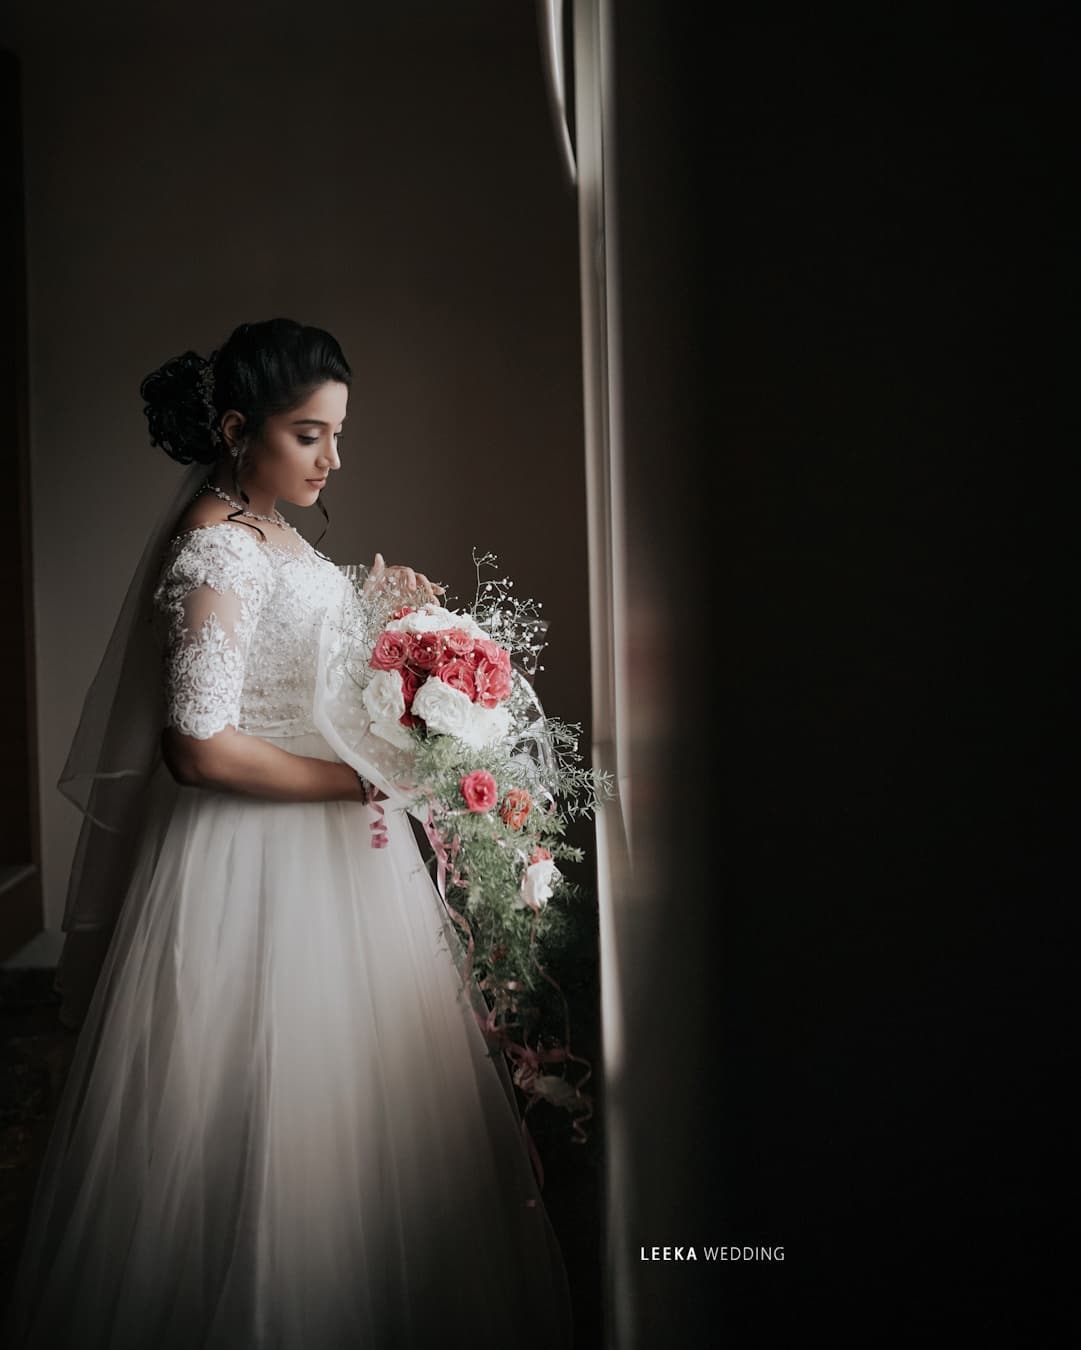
(296, 451)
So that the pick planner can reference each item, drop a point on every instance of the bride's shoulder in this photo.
(206, 511)
(204, 547)
(209, 520)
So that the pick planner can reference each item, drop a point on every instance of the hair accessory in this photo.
(206, 390)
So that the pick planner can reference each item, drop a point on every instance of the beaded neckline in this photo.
(262, 543)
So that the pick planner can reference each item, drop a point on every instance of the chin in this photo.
(302, 496)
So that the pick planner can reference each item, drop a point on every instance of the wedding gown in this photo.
(281, 1128)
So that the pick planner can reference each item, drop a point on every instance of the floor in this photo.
(35, 1052)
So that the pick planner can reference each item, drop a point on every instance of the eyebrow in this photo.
(311, 422)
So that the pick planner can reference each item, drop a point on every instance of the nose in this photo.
(329, 460)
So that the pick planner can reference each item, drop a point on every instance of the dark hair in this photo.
(262, 369)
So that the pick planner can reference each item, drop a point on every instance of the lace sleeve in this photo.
(210, 595)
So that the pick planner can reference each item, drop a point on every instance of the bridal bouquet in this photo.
(436, 706)
(440, 671)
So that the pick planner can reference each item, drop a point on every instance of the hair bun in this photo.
(177, 411)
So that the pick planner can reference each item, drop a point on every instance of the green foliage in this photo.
(489, 852)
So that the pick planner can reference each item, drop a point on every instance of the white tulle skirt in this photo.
(281, 1127)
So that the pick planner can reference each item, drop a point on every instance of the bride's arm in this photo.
(234, 761)
(211, 595)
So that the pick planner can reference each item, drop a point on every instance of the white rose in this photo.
(428, 618)
(384, 697)
(556, 1090)
(445, 709)
(538, 884)
(432, 618)
(487, 724)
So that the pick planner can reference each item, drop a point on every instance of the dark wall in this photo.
(20, 879)
(389, 174)
(849, 359)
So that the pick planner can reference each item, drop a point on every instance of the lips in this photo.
(317, 482)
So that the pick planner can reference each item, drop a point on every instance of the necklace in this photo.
(276, 519)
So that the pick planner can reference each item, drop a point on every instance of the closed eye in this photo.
(311, 440)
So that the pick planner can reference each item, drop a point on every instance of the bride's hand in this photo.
(401, 576)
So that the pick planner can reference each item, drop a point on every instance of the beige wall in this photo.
(395, 182)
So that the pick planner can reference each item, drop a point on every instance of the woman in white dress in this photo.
(282, 1128)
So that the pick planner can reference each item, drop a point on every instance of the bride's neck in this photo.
(258, 500)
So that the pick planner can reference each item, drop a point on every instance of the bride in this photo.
(281, 1127)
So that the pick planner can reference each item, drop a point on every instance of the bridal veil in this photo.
(115, 750)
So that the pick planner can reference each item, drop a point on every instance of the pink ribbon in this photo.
(445, 863)
(379, 827)
(564, 1052)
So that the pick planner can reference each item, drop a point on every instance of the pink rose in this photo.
(459, 675)
(488, 649)
(426, 650)
(411, 682)
(390, 652)
(539, 854)
(458, 641)
(479, 790)
(492, 682)
(515, 808)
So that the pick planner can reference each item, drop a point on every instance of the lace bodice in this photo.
(240, 623)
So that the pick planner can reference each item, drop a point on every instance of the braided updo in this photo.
(263, 368)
